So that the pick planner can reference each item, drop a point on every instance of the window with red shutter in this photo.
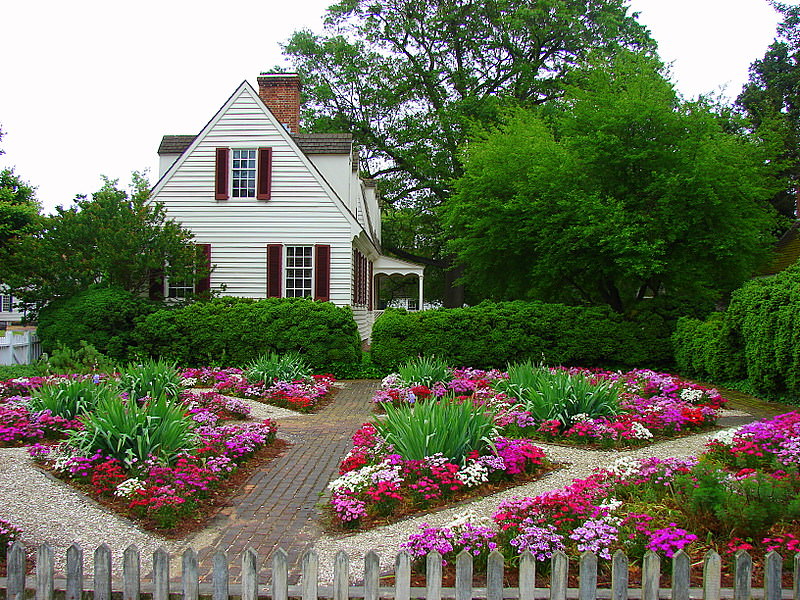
(322, 272)
(264, 188)
(274, 270)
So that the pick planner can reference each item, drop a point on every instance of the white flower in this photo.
(390, 381)
(640, 432)
(128, 487)
(691, 395)
(473, 473)
(580, 417)
(724, 437)
(468, 517)
(624, 467)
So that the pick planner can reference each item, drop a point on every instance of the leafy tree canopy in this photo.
(19, 208)
(409, 78)
(771, 99)
(113, 238)
(616, 192)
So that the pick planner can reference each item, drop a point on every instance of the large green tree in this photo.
(771, 99)
(617, 192)
(19, 208)
(409, 78)
(114, 237)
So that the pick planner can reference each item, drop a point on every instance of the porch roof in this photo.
(385, 265)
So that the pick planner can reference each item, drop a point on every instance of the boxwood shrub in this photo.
(234, 331)
(100, 316)
(495, 334)
(755, 341)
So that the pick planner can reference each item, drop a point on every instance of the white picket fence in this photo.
(161, 586)
(19, 347)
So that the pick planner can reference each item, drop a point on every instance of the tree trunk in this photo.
(453, 292)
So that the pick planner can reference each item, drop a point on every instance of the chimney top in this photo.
(281, 93)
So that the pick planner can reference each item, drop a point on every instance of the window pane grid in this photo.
(299, 271)
(243, 174)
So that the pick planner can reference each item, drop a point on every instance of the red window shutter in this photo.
(221, 178)
(264, 185)
(156, 284)
(274, 270)
(204, 283)
(322, 272)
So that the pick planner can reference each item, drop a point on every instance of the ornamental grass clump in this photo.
(278, 367)
(70, 398)
(131, 432)
(424, 370)
(556, 395)
(447, 427)
(151, 379)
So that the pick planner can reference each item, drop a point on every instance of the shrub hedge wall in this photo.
(101, 316)
(233, 331)
(495, 334)
(757, 338)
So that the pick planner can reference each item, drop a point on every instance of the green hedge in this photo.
(101, 316)
(495, 334)
(756, 339)
(233, 331)
(709, 349)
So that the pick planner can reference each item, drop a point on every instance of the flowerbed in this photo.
(743, 493)
(208, 438)
(306, 395)
(652, 406)
(378, 486)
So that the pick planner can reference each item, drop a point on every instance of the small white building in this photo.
(278, 213)
(9, 313)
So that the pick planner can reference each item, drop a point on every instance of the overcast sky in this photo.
(90, 86)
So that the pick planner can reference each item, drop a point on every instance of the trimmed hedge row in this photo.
(223, 331)
(757, 338)
(495, 334)
(234, 331)
(101, 316)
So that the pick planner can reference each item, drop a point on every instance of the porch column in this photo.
(419, 306)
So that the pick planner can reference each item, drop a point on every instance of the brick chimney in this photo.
(281, 93)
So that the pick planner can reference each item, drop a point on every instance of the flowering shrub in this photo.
(153, 490)
(302, 395)
(8, 535)
(663, 505)
(376, 482)
(651, 405)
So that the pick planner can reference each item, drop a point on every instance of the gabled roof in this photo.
(193, 142)
(310, 143)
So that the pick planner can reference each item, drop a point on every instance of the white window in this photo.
(180, 290)
(5, 303)
(243, 174)
(299, 270)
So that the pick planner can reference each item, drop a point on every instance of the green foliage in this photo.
(556, 395)
(710, 349)
(19, 208)
(101, 316)
(152, 379)
(15, 371)
(619, 192)
(130, 432)
(70, 398)
(84, 359)
(492, 335)
(231, 331)
(424, 370)
(116, 238)
(283, 367)
(410, 78)
(431, 426)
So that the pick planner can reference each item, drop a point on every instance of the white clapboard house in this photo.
(278, 213)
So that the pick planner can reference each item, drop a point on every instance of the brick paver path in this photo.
(279, 505)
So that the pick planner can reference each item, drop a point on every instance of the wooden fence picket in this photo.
(45, 586)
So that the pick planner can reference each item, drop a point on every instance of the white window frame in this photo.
(6, 303)
(250, 188)
(306, 290)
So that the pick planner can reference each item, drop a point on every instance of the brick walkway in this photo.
(279, 506)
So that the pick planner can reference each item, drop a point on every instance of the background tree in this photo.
(113, 238)
(19, 208)
(617, 192)
(409, 78)
(771, 99)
